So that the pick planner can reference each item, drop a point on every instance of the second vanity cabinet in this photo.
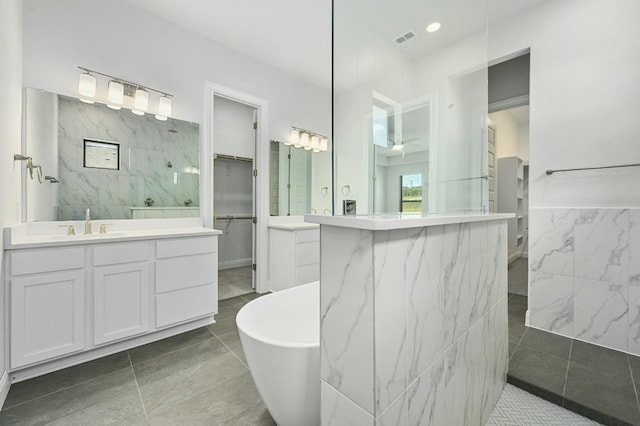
(294, 251)
(72, 300)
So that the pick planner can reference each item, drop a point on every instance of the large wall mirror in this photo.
(156, 174)
(299, 181)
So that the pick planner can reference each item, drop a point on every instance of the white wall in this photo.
(10, 113)
(584, 103)
(584, 98)
(121, 40)
(508, 134)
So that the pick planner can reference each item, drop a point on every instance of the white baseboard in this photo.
(228, 264)
(5, 385)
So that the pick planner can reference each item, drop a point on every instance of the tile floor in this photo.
(519, 277)
(597, 382)
(234, 282)
(196, 378)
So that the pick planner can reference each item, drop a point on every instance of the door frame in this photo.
(207, 148)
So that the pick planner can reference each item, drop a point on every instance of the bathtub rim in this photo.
(278, 342)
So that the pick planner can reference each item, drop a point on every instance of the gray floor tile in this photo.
(539, 368)
(223, 325)
(171, 390)
(124, 409)
(253, 296)
(518, 274)
(54, 406)
(234, 282)
(543, 341)
(25, 391)
(156, 349)
(512, 348)
(232, 341)
(234, 402)
(608, 393)
(516, 329)
(597, 357)
(180, 362)
(634, 363)
(517, 306)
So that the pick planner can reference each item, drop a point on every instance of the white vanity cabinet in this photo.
(47, 291)
(294, 255)
(76, 302)
(120, 291)
(186, 279)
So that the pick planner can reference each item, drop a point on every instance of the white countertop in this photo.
(294, 226)
(53, 234)
(383, 222)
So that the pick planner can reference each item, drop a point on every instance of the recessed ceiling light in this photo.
(432, 28)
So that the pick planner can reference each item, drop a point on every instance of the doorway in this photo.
(509, 131)
(234, 195)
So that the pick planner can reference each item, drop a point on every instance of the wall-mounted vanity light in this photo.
(117, 91)
(310, 141)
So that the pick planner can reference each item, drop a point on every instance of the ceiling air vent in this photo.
(405, 37)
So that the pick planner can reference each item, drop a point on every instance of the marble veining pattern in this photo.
(602, 245)
(551, 302)
(601, 313)
(551, 248)
(346, 313)
(146, 146)
(587, 289)
(405, 308)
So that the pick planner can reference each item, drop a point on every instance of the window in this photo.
(411, 193)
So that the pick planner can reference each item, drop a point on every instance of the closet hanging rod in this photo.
(232, 217)
(232, 157)
(550, 172)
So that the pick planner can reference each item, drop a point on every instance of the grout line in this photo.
(566, 376)
(635, 389)
(144, 409)
(61, 389)
(517, 345)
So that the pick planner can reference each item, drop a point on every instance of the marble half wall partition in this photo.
(413, 324)
(584, 274)
(147, 146)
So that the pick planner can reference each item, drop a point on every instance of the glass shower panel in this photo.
(410, 102)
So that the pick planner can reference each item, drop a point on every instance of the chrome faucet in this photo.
(87, 223)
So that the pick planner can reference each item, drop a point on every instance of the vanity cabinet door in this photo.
(121, 301)
(47, 316)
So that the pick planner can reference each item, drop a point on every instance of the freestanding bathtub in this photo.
(280, 335)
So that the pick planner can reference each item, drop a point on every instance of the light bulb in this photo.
(116, 107)
(164, 106)
(432, 28)
(315, 143)
(292, 139)
(161, 117)
(304, 141)
(116, 93)
(137, 112)
(324, 144)
(141, 100)
(87, 86)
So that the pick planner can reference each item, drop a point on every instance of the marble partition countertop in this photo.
(53, 234)
(384, 222)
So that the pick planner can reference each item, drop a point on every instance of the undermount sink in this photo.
(87, 236)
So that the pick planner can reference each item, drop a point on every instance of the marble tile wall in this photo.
(146, 146)
(584, 274)
(413, 324)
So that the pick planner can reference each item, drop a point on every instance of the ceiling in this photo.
(295, 35)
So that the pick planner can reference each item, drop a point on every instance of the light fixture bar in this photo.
(120, 80)
(301, 130)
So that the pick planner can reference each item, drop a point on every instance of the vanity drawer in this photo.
(185, 305)
(307, 253)
(111, 254)
(307, 273)
(186, 271)
(186, 246)
(307, 235)
(46, 260)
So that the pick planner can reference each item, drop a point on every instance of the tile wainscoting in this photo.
(584, 274)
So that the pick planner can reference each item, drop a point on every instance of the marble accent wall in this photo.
(413, 324)
(146, 147)
(584, 274)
